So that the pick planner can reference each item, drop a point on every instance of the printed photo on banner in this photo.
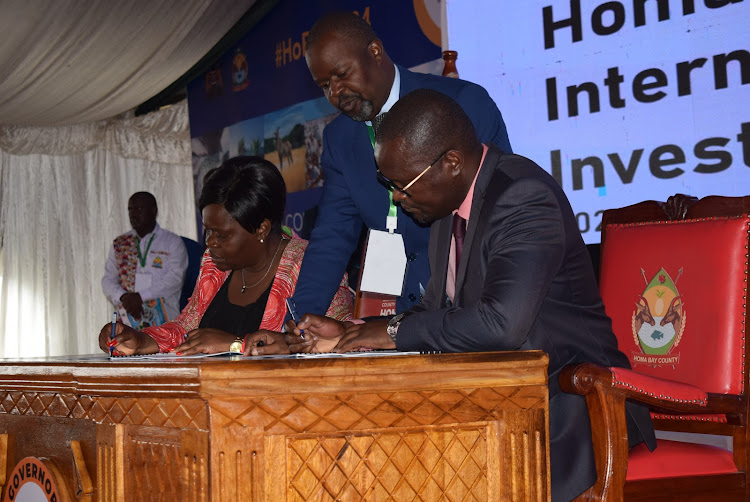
(294, 142)
(259, 97)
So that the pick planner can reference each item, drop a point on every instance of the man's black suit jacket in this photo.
(525, 282)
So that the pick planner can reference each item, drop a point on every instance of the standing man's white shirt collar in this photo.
(392, 97)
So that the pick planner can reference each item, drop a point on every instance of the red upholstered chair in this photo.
(674, 280)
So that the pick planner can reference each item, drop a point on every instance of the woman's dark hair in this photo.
(251, 189)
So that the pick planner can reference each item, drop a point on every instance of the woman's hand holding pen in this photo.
(126, 341)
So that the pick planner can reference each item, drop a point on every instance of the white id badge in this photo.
(142, 281)
(384, 266)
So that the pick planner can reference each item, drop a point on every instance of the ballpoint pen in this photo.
(113, 333)
(293, 312)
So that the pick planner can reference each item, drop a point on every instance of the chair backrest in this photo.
(195, 254)
(676, 290)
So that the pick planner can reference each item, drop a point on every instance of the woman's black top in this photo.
(223, 315)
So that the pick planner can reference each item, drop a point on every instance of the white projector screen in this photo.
(620, 101)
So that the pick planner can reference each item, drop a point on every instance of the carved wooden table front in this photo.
(418, 427)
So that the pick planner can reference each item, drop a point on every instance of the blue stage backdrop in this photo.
(259, 98)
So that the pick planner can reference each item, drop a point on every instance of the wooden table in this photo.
(408, 427)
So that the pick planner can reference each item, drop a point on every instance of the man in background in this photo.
(145, 263)
(349, 63)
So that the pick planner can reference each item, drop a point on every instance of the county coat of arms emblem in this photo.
(658, 320)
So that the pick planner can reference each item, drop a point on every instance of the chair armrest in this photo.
(658, 388)
(607, 389)
(661, 395)
(609, 430)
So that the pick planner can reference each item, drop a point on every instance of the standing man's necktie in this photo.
(376, 122)
(459, 232)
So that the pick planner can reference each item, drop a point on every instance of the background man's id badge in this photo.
(384, 263)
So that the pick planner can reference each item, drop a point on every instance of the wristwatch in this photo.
(393, 325)
(236, 346)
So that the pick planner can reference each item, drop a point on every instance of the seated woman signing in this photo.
(250, 267)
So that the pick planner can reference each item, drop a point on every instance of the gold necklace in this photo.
(267, 270)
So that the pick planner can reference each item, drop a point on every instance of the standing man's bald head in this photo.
(348, 62)
(348, 25)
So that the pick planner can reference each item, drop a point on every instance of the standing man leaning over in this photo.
(348, 62)
(510, 270)
(145, 263)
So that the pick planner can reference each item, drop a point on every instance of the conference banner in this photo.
(621, 101)
(259, 98)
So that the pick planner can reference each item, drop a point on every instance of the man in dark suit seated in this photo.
(509, 269)
(348, 62)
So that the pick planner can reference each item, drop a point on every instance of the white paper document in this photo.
(164, 356)
(169, 355)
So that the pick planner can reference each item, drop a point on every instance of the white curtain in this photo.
(63, 198)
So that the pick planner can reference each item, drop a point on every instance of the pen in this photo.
(113, 333)
(293, 312)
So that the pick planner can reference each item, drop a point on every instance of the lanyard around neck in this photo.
(142, 257)
(391, 221)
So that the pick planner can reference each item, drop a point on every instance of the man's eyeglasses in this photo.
(391, 185)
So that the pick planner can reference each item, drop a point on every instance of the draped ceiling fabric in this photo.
(68, 61)
(72, 151)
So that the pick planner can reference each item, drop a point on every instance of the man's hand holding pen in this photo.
(265, 342)
(321, 334)
(297, 341)
(329, 335)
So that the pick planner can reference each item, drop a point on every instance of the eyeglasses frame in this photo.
(390, 184)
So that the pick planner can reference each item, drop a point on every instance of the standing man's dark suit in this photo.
(525, 281)
(352, 196)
